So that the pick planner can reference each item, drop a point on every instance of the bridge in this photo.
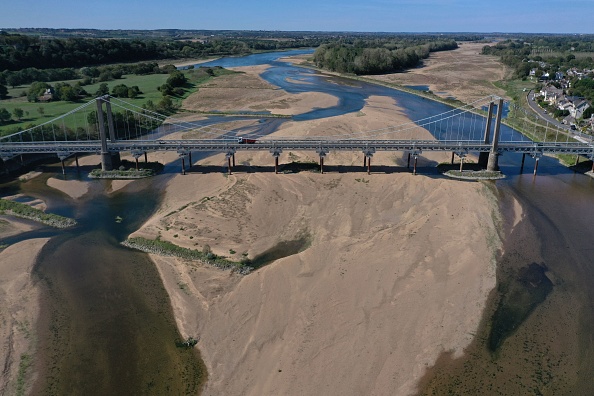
(92, 129)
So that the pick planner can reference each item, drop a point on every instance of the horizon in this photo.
(385, 16)
(4, 28)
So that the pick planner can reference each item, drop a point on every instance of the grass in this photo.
(24, 364)
(27, 212)
(166, 248)
(147, 84)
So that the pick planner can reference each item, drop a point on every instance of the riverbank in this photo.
(380, 247)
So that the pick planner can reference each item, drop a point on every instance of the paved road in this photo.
(540, 112)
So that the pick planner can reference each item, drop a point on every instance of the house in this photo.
(551, 94)
(559, 76)
(579, 108)
(47, 96)
(564, 104)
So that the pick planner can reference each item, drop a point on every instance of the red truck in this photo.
(242, 140)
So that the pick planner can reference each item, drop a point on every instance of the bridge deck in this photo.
(8, 150)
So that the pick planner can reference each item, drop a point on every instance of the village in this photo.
(554, 97)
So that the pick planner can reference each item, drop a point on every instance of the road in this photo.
(547, 117)
(541, 113)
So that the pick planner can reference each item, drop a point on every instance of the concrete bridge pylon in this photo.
(493, 163)
(108, 159)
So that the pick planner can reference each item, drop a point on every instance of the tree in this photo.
(103, 90)
(588, 113)
(37, 89)
(18, 113)
(3, 91)
(133, 92)
(65, 91)
(4, 115)
(176, 79)
(120, 91)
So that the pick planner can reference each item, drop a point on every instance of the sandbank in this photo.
(73, 188)
(19, 312)
(398, 270)
(464, 74)
(247, 91)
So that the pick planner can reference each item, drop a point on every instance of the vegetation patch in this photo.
(127, 170)
(475, 175)
(121, 174)
(165, 248)
(24, 364)
(24, 211)
(472, 172)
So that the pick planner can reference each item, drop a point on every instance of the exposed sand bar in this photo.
(19, 311)
(398, 271)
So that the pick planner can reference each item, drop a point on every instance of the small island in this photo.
(24, 211)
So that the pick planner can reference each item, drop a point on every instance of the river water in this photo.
(107, 326)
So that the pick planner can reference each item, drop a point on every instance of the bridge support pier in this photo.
(276, 152)
(522, 165)
(230, 156)
(536, 165)
(322, 153)
(577, 159)
(484, 156)
(106, 163)
(368, 153)
(145, 158)
(183, 166)
(63, 167)
(408, 162)
(136, 159)
(76, 161)
(415, 165)
(461, 163)
(452, 161)
(190, 159)
(493, 163)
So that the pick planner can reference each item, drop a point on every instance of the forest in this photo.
(19, 51)
(378, 55)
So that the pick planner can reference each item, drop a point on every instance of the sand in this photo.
(246, 91)
(463, 74)
(73, 188)
(19, 312)
(398, 270)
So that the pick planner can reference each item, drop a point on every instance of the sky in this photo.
(526, 16)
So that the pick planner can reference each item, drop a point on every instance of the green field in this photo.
(147, 84)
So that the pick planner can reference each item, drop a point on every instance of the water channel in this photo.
(107, 326)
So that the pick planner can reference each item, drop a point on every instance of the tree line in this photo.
(377, 56)
(19, 51)
(523, 56)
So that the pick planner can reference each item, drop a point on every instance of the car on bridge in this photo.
(243, 140)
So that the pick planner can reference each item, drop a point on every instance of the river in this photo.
(107, 326)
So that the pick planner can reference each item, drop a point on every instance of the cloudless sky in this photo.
(530, 16)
